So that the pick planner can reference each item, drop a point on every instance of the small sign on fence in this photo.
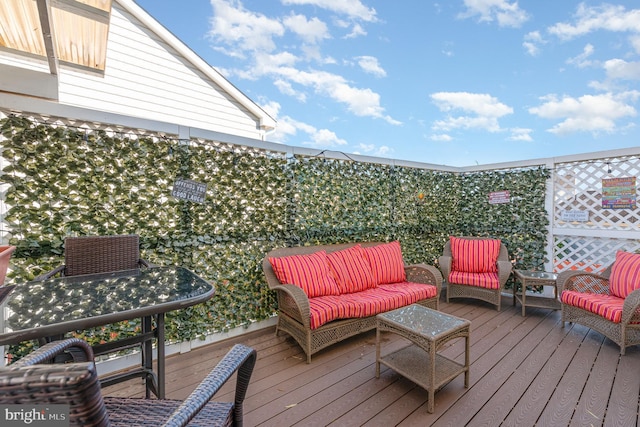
(186, 189)
(497, 197)
(575, 216)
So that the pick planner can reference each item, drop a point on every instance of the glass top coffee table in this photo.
(427, 330)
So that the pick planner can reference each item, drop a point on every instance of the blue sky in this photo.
(455, 82)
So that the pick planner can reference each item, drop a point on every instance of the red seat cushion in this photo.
(309, 272)
(482, 280)
(607, 306)
(386, 262)
(625, 274)
(368, 302)
(351, 270)
(474, 255)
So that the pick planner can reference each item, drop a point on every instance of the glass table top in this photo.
(423, 320)
(110, 296)
(530, 274)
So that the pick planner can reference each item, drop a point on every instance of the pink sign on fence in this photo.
(497, 197)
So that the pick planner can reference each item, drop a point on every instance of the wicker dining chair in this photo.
(33, 381)
(98, 254)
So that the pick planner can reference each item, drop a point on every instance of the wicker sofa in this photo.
(608, 302)
(344, 314)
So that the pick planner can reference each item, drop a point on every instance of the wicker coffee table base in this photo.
(419, 361)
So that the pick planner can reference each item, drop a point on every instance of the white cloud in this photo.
(310, 30)
(247, 33)
(582, 60)
(357, 31)
(242, 29)
(593, 18)
(621, 69)
(520, 134)
(287, 89)
(361, 102)
(635, 42)
(313, 137)
(588, 113)
(532, 42)
(370, 65)
(354, 9)
(373, 150)
(480, 111)
(507, 14)
(441, 137)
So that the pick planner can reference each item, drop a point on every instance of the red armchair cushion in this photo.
(309, 272)
(386, 262)
(625, 274)
(482, 280)
(607, 306)
(351, 270)
(474, 255)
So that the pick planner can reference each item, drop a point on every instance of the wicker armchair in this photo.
(460, 290)
(34, 380)
(98, 254)
(626, 332)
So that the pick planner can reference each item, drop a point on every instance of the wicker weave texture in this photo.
(626, 333)
(293, 303)
(33, 380)
(99, 254)
(492, 296)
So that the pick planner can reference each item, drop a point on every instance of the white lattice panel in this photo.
(578, 186)
(587, 253)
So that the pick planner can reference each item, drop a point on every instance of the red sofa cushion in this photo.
(386, 262)
(368, 302)
(309, 272)
(474, 255)
(607, 306)
(351, 270)
(625, 274)
(482, 280)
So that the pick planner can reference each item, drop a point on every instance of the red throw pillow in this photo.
(625, 274)
(309, 272)
(351, 270)
(474, 255)
(386, 262)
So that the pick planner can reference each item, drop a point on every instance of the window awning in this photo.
(68, 31)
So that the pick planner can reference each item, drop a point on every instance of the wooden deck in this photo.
(525, 371)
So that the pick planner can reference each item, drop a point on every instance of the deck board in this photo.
(524, 371)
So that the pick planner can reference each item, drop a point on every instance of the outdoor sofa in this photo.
(331, 292)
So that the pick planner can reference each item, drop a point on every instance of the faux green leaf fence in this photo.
(69, 181)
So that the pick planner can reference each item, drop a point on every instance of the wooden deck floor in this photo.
(525, 371)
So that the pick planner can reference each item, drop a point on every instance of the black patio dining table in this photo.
(46, 310)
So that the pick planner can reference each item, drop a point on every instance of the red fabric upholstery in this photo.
(625, 274)
(474, 255)
(607, 306)
(368, 302)
(483, 280)
(309, 272)
(386, 262)
(351, 270)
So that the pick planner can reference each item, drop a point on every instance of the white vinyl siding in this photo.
(146, 78)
